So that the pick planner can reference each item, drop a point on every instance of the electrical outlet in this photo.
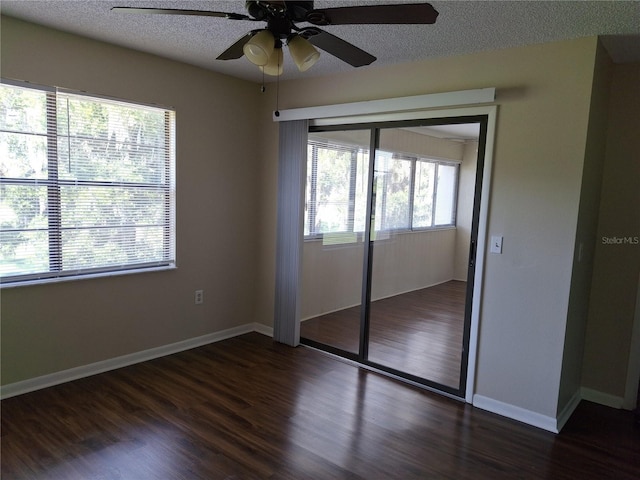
(199, 297)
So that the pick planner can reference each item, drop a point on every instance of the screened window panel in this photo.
(446, 194)
(362, 186)
(25, 252)
(88, 185)
(24, 236)
(23, 110)
(23, 155)
(423, 194)
(393, 183)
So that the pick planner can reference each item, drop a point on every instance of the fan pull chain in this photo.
(263, 89)
(277, 112)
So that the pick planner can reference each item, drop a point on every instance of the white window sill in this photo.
(74, 278)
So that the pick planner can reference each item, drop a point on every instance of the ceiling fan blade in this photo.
(172, 11)
(339, 48)
(407, 13)
(235, 50)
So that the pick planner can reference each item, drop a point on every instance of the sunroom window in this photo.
(412, 193)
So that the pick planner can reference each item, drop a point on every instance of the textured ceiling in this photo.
(462, 27)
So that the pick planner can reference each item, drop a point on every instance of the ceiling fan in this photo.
(263, 46)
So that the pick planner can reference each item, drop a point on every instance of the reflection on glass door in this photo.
(335, 216)
(416, 317)
(389, 249)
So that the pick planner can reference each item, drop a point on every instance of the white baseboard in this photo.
(633, 370)
(568, 409)
(601, 398)
(263, 329)
(37, 383)
(516, 413)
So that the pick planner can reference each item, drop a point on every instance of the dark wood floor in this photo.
(419, 332)
(249, 408)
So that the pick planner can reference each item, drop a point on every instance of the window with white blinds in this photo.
(87, 185)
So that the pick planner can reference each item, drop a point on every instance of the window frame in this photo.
(53, 182)
(455, 193)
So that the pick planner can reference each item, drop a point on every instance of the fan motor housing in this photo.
(296, 11)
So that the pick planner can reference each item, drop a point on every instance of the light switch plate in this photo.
(496, 244)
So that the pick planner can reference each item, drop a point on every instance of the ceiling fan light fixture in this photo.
(304, 54)
(275, 64)
(258, 50)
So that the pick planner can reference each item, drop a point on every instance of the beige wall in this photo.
(543, 93)
(53, 327)
(332, 274)
(616, 266)
(402, 141)
(586, 231)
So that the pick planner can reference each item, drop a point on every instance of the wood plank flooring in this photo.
(419, 332)
(249, 408)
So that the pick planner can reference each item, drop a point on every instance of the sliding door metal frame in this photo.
(473, 245)
(367, 240)
(368, 245)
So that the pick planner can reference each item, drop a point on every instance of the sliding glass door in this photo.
(334, 222)
(389, 247)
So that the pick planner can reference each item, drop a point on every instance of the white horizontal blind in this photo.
(88, 185)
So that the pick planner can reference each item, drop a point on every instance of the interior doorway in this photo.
(390, 240)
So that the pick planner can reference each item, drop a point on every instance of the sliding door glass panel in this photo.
(416, 315)
(333, 252)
